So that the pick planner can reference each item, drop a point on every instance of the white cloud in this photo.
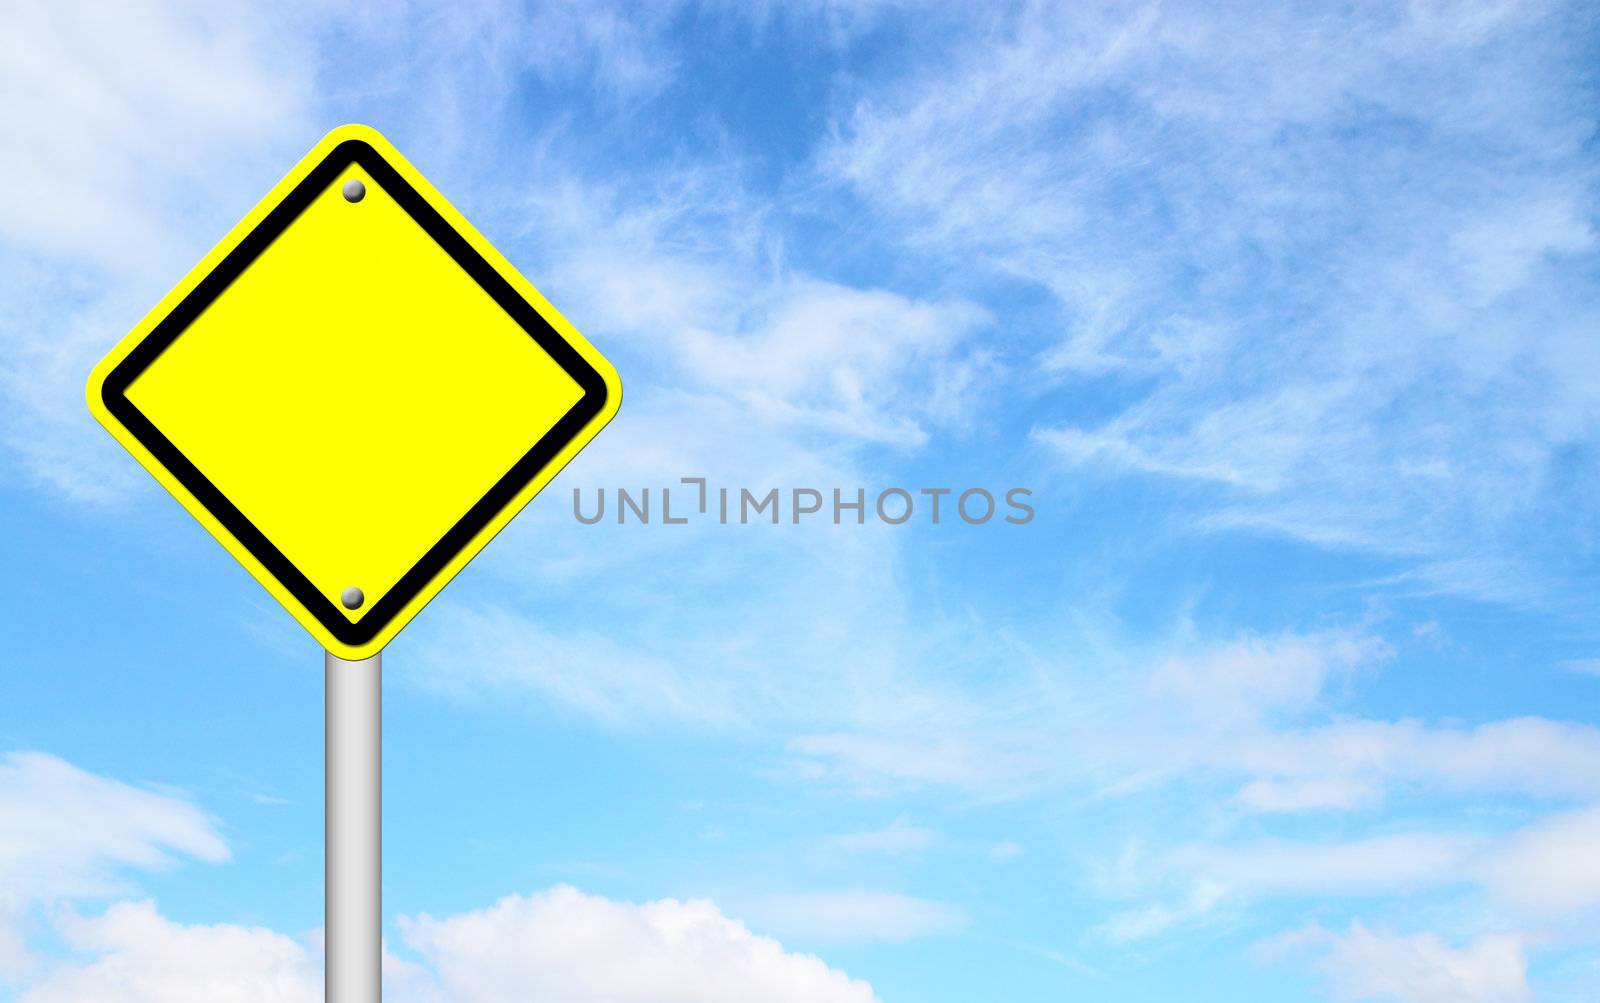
(898, 837)
(565, 945)
(868, 761)
(1261, 715)
(135, 955)
(855, 362)
(1152, 920)
(1582, 666)
(43, 421)
(1324, 793)
(72, 835)
(1527, 755)
(560, 945)
(489, 653)
(69, 835)
(1361, 964)
(1548, 867)
(856, 916)
(1240, 682)
(1262, 711)
(1006, 849)
(1543, 871)
(1539, 870)
(1374, 865)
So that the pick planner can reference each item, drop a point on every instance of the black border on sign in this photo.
(172, 326)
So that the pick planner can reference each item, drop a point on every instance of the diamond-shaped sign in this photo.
(354, 392)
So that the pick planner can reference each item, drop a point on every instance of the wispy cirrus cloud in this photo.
(1326, 269)
(1535, 877)
(684, 264)
(1263, 713)
(1582, 666)
(898, 837)
(1368, 964)
(71, 836)
(856, 916)
(148, 129)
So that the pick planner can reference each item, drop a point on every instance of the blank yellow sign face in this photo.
(354, 392)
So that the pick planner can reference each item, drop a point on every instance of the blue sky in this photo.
(1290, 691)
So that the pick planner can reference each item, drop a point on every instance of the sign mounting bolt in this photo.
(354, 191)
(352, 597)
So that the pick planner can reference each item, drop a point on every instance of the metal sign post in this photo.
(353, 807)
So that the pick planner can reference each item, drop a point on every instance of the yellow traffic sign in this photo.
(354, 392)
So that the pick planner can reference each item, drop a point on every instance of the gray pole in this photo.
(353, 852)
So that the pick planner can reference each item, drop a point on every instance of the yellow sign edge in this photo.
(209, 263)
